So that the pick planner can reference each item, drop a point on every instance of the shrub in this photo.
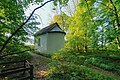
(69, 65)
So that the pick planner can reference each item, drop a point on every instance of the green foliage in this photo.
(92, 42)
(62, 2)
(77, 37)
(94, 25)
(20, 53)
(62, 20)
(11, 17)
(70, 65)
(42, 54)
(104, 64)
(16, 57)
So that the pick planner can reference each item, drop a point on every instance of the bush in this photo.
(16, 57)
(69, 65)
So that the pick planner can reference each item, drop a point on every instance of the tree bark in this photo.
(117, 21)
(85, 44)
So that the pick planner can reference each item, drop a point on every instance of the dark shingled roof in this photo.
(48, 29)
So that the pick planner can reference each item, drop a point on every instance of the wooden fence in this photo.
(19, 70)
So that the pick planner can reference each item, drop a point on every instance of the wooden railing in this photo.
(22, 67)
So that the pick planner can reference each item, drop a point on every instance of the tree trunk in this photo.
(117, 22)
(21, 26)
(85, 45)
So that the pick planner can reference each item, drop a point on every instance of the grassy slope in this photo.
(105, 63)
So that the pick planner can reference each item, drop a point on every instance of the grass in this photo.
(43, 54)
(98, 65)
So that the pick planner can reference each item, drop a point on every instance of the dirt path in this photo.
(41, 67)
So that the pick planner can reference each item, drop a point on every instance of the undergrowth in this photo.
(71, 65)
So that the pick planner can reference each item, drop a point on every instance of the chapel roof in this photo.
(48, 29)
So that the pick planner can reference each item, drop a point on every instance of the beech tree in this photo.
(102, 23)
(19, 5)
(13, 20)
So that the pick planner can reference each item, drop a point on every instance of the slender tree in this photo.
(20, 27)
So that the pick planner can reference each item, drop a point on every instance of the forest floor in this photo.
(109, 73)
(41, 66)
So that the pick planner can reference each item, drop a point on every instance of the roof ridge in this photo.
(47, 29)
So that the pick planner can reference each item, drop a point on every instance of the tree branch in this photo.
(15, 53)
(104, 5)
(117, 21)
(90, 13)
(6, 42)
(116, 15)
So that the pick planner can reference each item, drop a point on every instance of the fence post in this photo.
(24, 64)
(31, 72)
